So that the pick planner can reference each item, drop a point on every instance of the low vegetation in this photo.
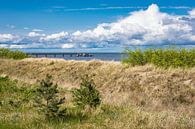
(48, 101)
(87, 95)
(147, 86)
(112, 96)
(8, 54)
(162, 57)
(17, 111)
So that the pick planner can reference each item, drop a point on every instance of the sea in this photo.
(75, 56)
(94, 54)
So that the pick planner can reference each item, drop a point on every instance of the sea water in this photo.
(106, 54)
(94, 56)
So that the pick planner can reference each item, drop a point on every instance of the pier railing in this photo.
(46, 54)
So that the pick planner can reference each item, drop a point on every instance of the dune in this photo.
(145, 86)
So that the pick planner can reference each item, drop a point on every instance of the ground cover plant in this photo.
(165, 58)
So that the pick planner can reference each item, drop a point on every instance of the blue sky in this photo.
(32, 21)
(53, 15)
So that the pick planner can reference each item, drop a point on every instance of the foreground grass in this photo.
(162, 57)
(17, 112)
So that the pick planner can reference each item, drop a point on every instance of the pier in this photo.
(55, 54)
(80, 55)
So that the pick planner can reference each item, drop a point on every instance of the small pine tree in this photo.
(87, 95)
(47, 99)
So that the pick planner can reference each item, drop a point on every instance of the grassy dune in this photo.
(133, 97)
(17, 112)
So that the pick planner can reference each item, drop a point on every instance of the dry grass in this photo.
(146, 86)
(171, 106)
(21, 114)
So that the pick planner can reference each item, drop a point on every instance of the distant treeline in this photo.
(8, 54)
(162, 57)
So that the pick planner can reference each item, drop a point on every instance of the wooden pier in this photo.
(46, 54)
(55, 54)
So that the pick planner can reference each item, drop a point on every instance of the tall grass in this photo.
(17, 112)
(162, 57)
(8, 54)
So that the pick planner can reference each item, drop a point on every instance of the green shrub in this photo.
(87, 95)
(48, 100)
(162, 57)
(137, 58)
(8, 54)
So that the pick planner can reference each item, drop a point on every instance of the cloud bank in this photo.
(143, 27)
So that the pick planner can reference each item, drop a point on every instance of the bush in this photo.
(7, 54)
(87, 95)
(48, 101)
(137, 58)
(162, 57)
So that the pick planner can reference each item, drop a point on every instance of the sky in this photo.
(96, 24)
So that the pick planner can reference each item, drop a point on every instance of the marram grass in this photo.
(18, 112)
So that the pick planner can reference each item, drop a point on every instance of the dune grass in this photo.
(138, 97)
(17, 112)
(8, 54)
(165, 58)
(153, 88)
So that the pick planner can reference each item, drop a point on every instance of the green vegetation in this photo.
(146, 97)
(15, 101)
(87, 95)
(17, 111)
(48, 101)
(8, 54)
(162, 57)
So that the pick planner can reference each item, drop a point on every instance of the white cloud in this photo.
(7, 37)
(3, 46)
(68, 45)
(56, 36)
(121, 7)
(37, 30)
(17, 46)
(192, 13)
(143, 27)
(104, 8)
(35, 34)
(140, 28)
(175, 7)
